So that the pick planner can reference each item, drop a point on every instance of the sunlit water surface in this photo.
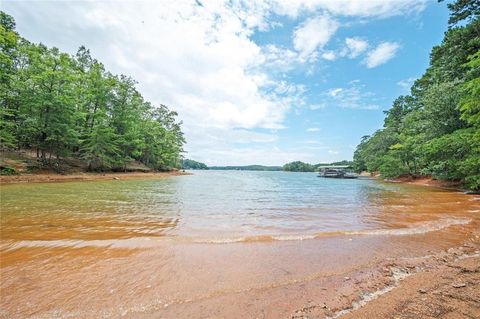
(212, 206)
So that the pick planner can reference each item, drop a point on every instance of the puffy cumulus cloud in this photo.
(354, 47)
(198, 59)
(381, 54)
(352, 8)
(207, 137)
(352, 96)
(329, 55)
(313, 34)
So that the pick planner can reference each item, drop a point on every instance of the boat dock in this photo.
(337, 171)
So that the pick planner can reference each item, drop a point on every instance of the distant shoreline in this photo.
(52, 177)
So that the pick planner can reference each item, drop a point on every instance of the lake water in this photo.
(214, 206)
(149, 246)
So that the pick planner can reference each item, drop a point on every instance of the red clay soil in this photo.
(52, 177)
(426, 181)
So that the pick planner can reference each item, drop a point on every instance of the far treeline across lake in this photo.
(296, 166)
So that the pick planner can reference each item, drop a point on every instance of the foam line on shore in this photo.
(418, 228)
(148, 242)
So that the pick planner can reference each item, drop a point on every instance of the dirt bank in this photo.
(426, 181)
(27, 169)
(52, 177)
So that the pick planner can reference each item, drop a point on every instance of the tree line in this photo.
(435, 131)
(61, 105)
(191, 164)
(298, 166)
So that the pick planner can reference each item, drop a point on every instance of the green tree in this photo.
(470, 101)
(8, 53)
(191, 164)
(463, 9)
(100, 149)
(298, 166)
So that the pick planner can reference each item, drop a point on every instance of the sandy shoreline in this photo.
(447, 287)
(52, 177)
(439, 283)
(445, 284)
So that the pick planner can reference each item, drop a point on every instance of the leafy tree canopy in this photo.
(435, 131)
(62, 105)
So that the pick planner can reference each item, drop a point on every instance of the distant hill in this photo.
(247, 168)
(299, 166)
(191, 164)
(290, 167)
(344, 162)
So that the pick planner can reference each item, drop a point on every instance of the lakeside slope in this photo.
(26, 169)
(52, 177)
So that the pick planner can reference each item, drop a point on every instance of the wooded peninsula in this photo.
(61, 105)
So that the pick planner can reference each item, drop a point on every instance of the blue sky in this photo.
(255, 82)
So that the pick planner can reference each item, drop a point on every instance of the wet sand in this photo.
(444, 286)
(309, 279)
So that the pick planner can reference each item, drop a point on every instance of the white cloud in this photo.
(332, 152)
(313, 129)
(316, 106)
(354, 47)
(329, 55)
(353, 96)
(334, 92)
(279, 59)
(248, 155)
(313, 34)
(352, 8)
(210, 75)
(381, 54)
